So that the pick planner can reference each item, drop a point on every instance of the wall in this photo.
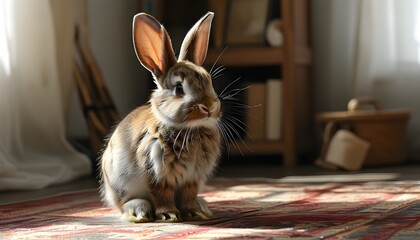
(333, 53)
(110, 25)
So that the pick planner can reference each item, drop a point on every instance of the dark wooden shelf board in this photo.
(257, 147)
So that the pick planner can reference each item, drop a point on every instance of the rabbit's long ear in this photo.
(195, 44)
(152, 44)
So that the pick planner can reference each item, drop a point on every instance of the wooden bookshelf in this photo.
(294, 61)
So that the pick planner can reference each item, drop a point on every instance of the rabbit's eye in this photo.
(179, 90)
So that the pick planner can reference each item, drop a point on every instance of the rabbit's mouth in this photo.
(208, 122)
(199, 115)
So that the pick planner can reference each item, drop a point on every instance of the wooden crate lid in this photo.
(354, 112)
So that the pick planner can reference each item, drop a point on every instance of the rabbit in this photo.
(161, 153)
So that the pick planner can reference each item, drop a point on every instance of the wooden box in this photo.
(385, 130)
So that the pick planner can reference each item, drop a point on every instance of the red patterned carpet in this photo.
(243, 209)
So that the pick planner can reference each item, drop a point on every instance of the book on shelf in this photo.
(264, 115)
(255, 116)
(274, 109)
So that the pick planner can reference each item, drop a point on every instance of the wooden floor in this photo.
(309, 173)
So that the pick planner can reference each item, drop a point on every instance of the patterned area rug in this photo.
(243, 209)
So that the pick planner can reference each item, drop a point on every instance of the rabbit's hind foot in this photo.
(165, 215)
(138, 211)
(197, 211)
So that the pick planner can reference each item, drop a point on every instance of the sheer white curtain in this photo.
(34, 91)
(387, 57)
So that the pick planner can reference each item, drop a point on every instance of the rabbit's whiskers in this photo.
(227, 87)
(230, 125)
(215, 62)
(232, 93)
(185, 139)
(174, 145)
(218, 72)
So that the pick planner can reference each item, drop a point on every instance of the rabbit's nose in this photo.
(204, 110)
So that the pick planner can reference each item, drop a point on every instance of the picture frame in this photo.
(246, 22)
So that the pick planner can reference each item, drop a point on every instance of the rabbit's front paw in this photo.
(196, 211)
(167, 215)
(137, 211)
